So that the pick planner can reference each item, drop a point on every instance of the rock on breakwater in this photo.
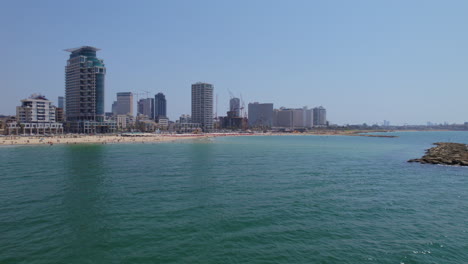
(446, 154)
(382, 136)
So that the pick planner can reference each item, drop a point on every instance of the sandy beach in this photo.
(144, 138)
(94, 139)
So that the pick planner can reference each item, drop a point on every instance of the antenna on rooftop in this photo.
(216, 108)
(147, 93)
(242, 107)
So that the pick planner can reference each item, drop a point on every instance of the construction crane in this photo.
(137, 95)
(147, 93)
(231, 94)
(237, 107)
(216, 107)
(242, 107)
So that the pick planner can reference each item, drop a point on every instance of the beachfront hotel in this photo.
(84, 92)
(261, 115)
(35, 115)
(320, 116)
(293, 118)
(202, 105)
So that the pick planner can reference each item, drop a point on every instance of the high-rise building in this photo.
(125, 103)
(160, 106)
(298, 118)
(234, 106)
(146, 107)
(290, 118)
(283, 117)
(61, 101)
(320, 116)
(84, 91)
(114, 108)
(84, 85)
(202, 105)
(309, 117)
(260, 115)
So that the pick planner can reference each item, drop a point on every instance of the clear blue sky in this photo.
(365, 61)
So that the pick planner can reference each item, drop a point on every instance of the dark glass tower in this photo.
(159, 106)
(84, 85)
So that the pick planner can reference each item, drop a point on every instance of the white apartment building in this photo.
(35, 115)
(202, 105)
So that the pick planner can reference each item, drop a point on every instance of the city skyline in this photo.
(365, 62)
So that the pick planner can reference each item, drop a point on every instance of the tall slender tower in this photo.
(202, 105)
(84, 89)
(160, 108)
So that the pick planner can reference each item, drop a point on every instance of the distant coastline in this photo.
(72, 139)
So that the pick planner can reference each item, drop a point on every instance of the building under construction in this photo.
(234, 119)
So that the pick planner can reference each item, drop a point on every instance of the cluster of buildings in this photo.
(263, 115)
(151, 112)
(81, 110)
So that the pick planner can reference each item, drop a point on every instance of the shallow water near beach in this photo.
(257, 199)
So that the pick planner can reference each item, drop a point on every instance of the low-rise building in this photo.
(187, 127)
(4, 121)
(59, 115)
(163, 122)
(124, 121)
(146, 125)
(35, 115)
(185, 119)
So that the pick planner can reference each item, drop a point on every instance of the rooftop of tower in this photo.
(82, 48)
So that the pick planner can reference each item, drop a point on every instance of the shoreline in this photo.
(91, 139)
(74, 139)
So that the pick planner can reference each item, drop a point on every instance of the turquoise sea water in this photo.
(270, 199)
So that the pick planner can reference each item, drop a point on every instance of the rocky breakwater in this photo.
(445, 154)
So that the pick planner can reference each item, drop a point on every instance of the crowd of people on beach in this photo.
(96, 139)
(104, 139)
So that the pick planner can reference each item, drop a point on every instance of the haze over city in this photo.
(364, 61)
